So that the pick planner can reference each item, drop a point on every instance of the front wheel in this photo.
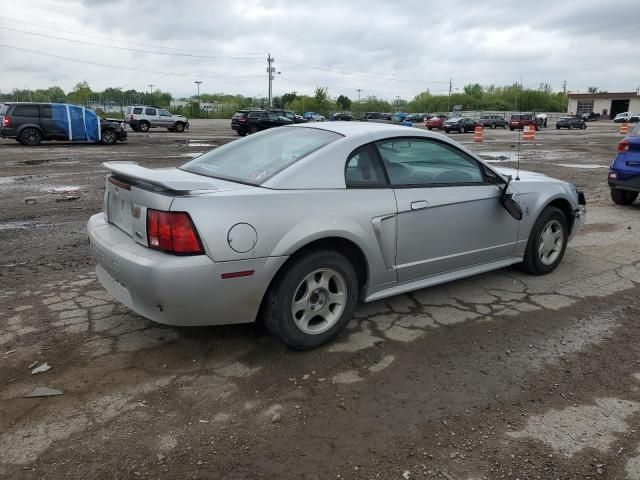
(144, 126)
(461, 130)
(547, 242)
(179, 127)
(623, 197)
(109, 137)
(311, 302)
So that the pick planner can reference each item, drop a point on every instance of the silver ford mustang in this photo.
(294, 225)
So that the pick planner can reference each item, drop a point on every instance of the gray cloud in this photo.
(370, 45)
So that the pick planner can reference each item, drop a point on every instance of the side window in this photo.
(26, 111)
(164, 113)
(45, 111)
(363, 169)
(273, 116)
(150, 111)
(254, 115)
(412, 162)
(137, 111)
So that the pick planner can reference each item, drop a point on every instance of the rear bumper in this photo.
(624, 181)
(177, 290)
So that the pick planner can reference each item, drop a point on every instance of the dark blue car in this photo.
(624, 172)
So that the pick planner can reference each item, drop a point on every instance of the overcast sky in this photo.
(385, 48)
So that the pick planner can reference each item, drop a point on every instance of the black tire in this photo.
(462, 130)
(571, 126)
(144, 126)
(532, 262)
(253, 129)
(557, 127)
(511, 129)
(446, 130)
(493, 125)
(278, 316)
(623, 197)
(30, 137)
(242, 133)
(179, 127)
(109, 137)
(429, 128)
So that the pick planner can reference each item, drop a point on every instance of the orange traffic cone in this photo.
(624, 128)
(528, 132)
(477, 134)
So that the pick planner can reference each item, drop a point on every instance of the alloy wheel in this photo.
(319, 301)
(551, 242)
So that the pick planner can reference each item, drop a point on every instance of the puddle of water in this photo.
(191, 155)
(65, 189)
(586, 166)
(201, 145)
(14, 225)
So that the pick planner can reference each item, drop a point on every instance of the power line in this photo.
(111, 39)
(137, 50)
(120, 67)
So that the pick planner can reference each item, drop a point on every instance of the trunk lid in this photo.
(132, 189)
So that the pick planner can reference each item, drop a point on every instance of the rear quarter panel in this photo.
(287, 220)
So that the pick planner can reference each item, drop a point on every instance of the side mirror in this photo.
(511, 206)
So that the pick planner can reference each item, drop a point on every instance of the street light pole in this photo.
(270, 71)
(198, 82)
(359, 90)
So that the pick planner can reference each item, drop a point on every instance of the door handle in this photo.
(419, 205)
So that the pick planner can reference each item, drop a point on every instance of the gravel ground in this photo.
(502, 375)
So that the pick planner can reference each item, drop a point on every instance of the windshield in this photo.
(257, 158)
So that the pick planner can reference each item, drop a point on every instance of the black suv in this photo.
(30, 123)
(493, 121)
(252, 121)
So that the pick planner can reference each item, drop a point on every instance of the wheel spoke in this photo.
(336, 298)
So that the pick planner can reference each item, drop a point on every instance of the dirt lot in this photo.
(503, 375)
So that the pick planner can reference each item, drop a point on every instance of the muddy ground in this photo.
(503, 375)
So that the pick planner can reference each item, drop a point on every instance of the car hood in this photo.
(525, 175)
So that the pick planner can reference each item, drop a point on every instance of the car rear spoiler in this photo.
(166, 178)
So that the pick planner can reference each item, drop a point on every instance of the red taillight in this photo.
(242, 120)
(6, 121)
(623, 146)
(172, 232)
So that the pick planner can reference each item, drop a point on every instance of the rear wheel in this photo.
(109, 137)
(311, 302)
(144, 126)
(547, 242)
(430, 128)
(493, 125)
(623, 197)
(461, 129)
(30, 137)
(253, 130)
(242, 133)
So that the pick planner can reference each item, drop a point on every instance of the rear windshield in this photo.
(257, 158)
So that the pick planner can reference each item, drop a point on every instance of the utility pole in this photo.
(151, 85)
(359, 90)
(270, 71)
(564, 95)
(449, 97)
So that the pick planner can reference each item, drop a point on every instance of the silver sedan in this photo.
(297, 224)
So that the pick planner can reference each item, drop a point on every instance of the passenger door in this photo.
(53, 129)
(151, 115)
(449, 216)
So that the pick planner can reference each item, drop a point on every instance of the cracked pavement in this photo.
(502, 375)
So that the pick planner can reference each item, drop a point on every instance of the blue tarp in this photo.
(80, 124)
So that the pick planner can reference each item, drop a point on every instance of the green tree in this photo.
(343, 102)
(81, 93)
(474, 90)
(321, 95)
(593, 89)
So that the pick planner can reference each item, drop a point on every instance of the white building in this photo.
(606, 104)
